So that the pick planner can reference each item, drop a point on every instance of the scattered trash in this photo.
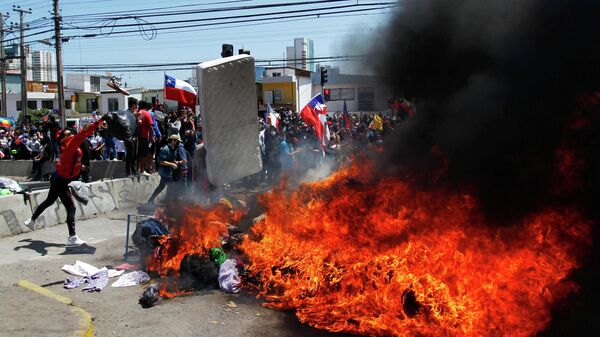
(199, 272)
(231, 304)
(145, 233)
(229, 277)
(132, 279)
(85, 269)
(217, 255)
(96, 282)
(10, 184)
(150, 297)
(128, 266)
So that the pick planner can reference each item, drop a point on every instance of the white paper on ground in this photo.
(85, 269)
(132, 279)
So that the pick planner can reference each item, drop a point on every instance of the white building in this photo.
(361, 93)
(41, 64)
(300, 55)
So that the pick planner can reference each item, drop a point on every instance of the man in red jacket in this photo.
(68, 169)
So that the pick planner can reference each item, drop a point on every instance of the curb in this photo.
(87, 327)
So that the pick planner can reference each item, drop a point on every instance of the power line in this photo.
(94, 35)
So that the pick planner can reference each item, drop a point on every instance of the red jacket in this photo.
(69, 165)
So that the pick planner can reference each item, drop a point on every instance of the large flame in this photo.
(377, 256)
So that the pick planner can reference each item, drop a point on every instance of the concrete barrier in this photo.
(99, 169)
(105, 196)
(14, 210)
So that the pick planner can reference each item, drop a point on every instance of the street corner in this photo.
(31, 310)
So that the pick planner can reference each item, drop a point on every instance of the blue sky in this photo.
(265, 40)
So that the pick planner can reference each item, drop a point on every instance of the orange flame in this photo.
(377, 256)
(195, 231)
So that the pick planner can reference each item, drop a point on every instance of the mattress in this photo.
(227, 100)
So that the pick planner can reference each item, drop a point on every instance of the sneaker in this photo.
(144, 173)
(74, 241)
(31, 224)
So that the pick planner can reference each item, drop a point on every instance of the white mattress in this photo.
(227, 96)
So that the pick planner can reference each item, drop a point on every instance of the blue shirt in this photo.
(166, 154)
(155, 127)
(182, 155)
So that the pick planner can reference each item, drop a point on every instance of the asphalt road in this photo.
(39, 256)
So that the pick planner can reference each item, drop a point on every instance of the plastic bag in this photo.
(122, 125)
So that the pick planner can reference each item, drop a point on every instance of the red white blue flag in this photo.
(180, 91)
(311, 114)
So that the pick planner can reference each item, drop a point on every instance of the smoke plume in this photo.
(495, 84)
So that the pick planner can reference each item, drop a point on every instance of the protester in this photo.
(180, 175)
(40, 159)
(145, 137)
(131, 143)
(174, 124)
(68, 168)
(167, 165)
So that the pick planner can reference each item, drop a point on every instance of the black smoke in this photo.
(497, 83)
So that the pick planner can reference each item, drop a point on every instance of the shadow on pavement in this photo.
(41, 247)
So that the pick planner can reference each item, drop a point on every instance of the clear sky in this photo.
(265, 39)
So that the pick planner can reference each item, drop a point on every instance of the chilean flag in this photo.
(311, 114)
(180, 91)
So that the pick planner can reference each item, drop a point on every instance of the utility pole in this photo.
(4, 112)
(24, 109)
(59, 66)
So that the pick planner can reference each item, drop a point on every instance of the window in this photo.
(113, 104)
(277, 99)
(341, 94)
(18, 105)
(48, 105)
(68, 104)
(276, 74)
(91, 105)
(32, 105)
(365, 98)
(94, 84)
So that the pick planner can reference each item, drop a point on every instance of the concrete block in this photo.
(105, 196)
(13, 212)
(107, 169)
(229, 118)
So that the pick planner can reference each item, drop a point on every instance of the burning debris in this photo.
(383, 257)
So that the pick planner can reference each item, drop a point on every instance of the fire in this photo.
(194, 231)
(378, 256)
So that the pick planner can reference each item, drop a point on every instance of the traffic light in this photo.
(326, 94)
(323, 76)
(227, 50)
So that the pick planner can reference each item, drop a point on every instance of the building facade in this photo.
(301, 54)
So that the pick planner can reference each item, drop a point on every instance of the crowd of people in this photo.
(285, 143)
(290, 146)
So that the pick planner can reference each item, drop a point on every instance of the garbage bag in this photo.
(150, 297)
(80, 191)
(229, 277)
(199, 272)
(122, 125)
(145, 230)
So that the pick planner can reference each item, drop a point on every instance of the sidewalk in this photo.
(38, 257)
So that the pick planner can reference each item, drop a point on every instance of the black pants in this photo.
(59, 188)
(130, 156)
(164, 182)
